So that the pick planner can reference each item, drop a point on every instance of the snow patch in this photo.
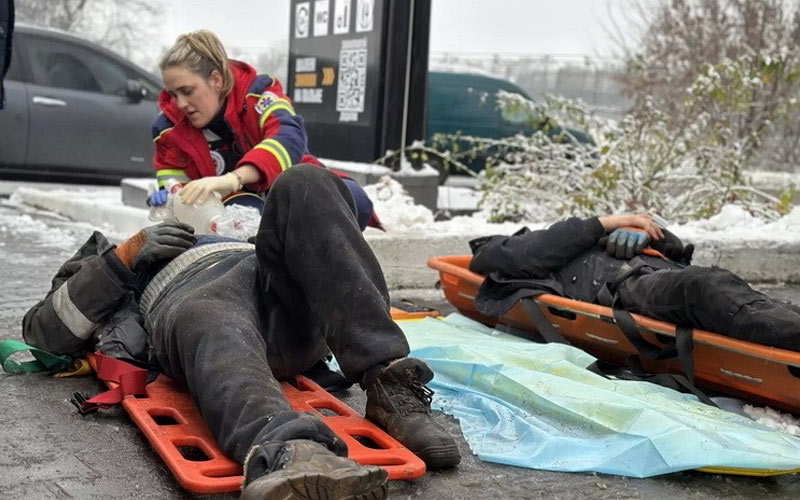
(396, 208)
(730, 217)
(42, 234)
(774, 419)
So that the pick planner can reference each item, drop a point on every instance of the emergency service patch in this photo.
(265, 101)
(219, 162)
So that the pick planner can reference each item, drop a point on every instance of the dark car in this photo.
(74, 111)
(465, 104)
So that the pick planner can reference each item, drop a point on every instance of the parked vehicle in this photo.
(465, 104)
(75, 111)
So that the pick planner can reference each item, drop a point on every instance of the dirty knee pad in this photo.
(299, 425)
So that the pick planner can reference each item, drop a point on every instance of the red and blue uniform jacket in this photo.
(261, 118)
(265, 126)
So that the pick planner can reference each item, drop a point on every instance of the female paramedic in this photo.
(225, 129)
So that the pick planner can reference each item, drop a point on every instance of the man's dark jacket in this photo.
(92, 303)
(564, 259)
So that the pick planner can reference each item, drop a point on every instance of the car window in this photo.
(59, 64)
(15, 69)
(461, 102)
(151, 90)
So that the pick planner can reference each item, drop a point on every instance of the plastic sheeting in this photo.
(536, 406)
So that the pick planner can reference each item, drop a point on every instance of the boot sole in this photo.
(367, 483)
(440, 457)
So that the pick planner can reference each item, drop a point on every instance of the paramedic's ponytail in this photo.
(200, 52)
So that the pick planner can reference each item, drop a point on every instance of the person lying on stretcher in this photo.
(229, 319)
(635, 264)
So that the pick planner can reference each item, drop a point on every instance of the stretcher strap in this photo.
(633, 370)
(681, 347)
(545, 328)
(44, 362)
(645, 348)
(130, 380)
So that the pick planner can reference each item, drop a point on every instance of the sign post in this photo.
(358, 74)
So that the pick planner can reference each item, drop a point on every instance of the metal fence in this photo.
(577, 77)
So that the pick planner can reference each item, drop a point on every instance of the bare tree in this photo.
(274, 61)
(125, 27)
(684, 37)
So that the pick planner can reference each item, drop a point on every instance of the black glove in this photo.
(625, 243)
(679, 253)
(164, 241)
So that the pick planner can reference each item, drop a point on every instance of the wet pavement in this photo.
(47, 450)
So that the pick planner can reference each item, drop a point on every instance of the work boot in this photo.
(398, 401)
(302, 469)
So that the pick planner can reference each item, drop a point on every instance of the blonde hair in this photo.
(200, 52)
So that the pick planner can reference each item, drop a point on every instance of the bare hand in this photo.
(641, 221)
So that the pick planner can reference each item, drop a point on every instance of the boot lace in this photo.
(411, 395)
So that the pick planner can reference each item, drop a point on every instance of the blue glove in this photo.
(158, 198)
(625, 243)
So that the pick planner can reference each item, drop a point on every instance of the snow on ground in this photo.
(398, 213)
(39, 232)
(774, 419)
(734, 225)
(457, 198)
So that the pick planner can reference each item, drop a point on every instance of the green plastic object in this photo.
(44, 362)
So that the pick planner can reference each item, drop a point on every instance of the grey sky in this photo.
(559, 27)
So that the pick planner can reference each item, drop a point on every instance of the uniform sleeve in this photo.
(166, 160)
(283, 134)
(87, 289)
(535, 254)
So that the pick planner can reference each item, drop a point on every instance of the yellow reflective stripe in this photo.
(164, 176)
(278, 151)
(171, 172)
(162, 133)
(257, 96)
(284, 105)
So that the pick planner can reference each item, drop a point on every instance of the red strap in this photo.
(130, 380)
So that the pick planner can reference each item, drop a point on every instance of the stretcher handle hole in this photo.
(794, 370)
(369, 443)
(164, 420)
(561, 313)
(193, 453)
(663, 338)
(141, 396)
(327, 412)
(166, 416)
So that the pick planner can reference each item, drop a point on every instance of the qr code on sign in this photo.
(352, 80)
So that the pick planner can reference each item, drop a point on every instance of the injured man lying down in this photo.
(630, 262)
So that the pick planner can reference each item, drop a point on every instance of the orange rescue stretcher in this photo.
(170, 421)
(743, 369)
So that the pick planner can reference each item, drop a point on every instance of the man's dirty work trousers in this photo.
(713, 299)
(252, 319)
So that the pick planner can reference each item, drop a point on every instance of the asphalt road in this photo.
(47, 450)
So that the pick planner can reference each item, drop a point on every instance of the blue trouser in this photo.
(238, 327)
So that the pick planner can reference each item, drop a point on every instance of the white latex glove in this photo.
(198, 190)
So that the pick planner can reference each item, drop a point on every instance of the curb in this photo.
(403, 255)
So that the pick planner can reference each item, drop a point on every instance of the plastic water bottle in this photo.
(165, 212)
(209, 217)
